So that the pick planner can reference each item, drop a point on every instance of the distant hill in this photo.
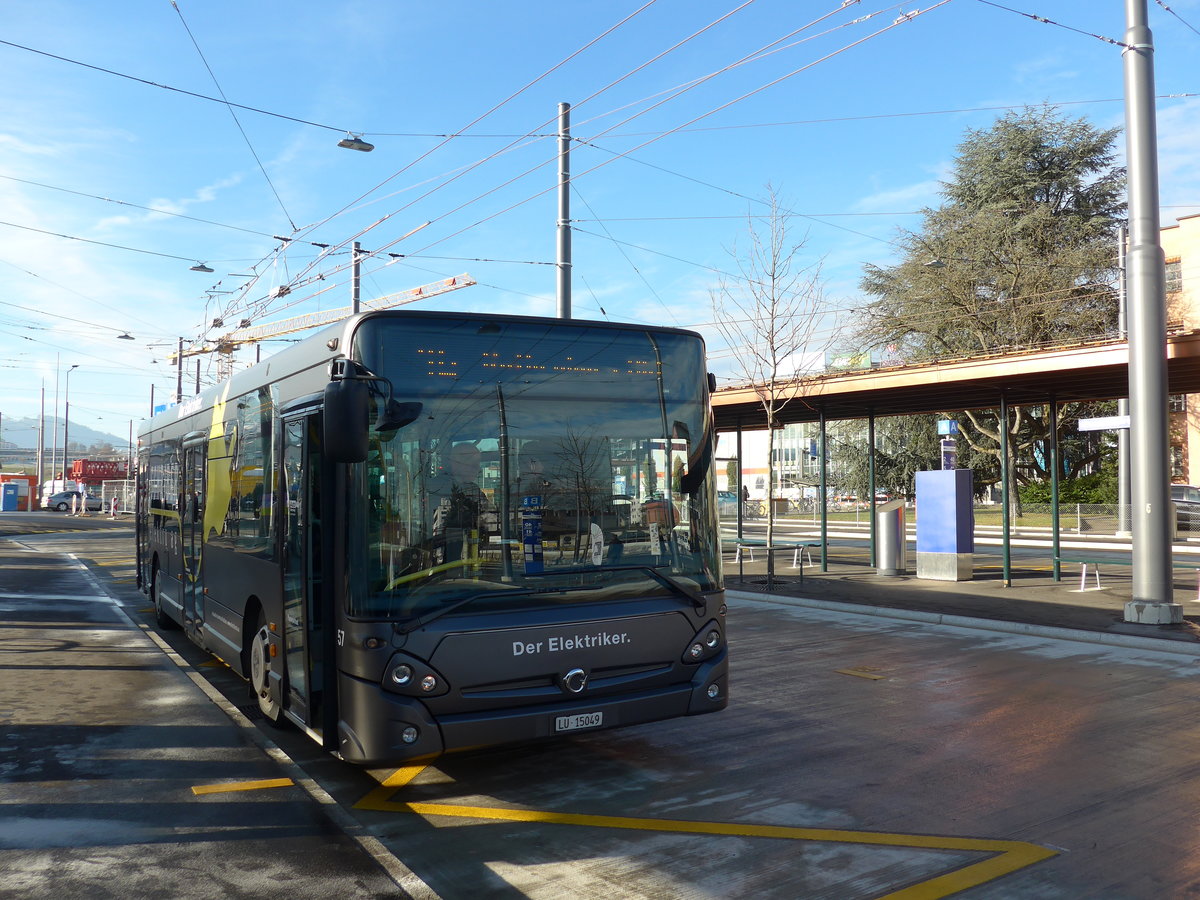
(23, 435)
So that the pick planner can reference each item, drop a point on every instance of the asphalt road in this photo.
(860, 758)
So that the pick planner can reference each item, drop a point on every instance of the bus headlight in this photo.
(410, 734)
(707, 643)
(408, 675)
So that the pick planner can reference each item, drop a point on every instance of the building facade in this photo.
(1181, 247)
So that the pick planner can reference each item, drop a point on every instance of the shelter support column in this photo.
(871, 482)
(1055, 466)
(1004, 497)
(823, 469)
(740, 511)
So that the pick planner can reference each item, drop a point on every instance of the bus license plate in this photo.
(579, 720)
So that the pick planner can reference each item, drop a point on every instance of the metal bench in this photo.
(799, 550)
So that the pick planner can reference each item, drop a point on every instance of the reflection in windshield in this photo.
(551, 464)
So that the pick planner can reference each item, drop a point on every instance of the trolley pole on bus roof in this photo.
(1153, 588)
(563, 264)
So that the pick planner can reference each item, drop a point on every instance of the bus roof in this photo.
(332, 342)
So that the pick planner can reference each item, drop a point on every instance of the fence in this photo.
(1073, 518)
(1076, 518)
(123, 491)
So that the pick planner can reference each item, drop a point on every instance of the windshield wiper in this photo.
(683, 590)
(679, 588)
(421, 621)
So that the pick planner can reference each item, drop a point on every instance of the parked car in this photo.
(62, 501)
(1186, 498)
(726, 503)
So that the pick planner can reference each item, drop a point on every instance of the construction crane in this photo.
(252, 334)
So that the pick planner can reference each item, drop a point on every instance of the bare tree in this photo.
(773, 316)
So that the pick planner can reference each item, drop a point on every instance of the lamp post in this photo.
(67, 420)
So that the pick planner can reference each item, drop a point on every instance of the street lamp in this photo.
(67, 420)
(355, 142)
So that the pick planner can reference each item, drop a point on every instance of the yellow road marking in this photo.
(862, 672)
(241, 786)
(387, 787)
(402, 776)
(1008, 856)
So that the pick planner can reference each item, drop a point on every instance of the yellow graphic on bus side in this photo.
(219, 487)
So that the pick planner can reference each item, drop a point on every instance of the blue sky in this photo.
(854, 138)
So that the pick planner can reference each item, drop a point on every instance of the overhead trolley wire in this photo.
(754, 56)
(505, 149)
(1176, 15)
(167, 87)
(898, 21)
(493, 109)
(164, 212)
(1046, 21)
(233, 115)
(907, 18)
(591, 96)
(71, 237)
(91, 300)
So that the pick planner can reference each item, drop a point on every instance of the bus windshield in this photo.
(552, 463)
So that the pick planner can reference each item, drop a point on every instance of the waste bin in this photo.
(891, 539)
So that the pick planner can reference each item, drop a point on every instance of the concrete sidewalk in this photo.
(121, 779)
(1033, 603)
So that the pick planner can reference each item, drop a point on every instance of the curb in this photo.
(1104, 638)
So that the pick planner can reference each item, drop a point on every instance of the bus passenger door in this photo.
(302, 566)
(192, 535)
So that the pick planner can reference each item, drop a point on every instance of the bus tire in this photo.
(165, 622)
(258, 653)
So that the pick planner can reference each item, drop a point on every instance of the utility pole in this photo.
(54, 424)
(179, 372)
(564, 211)
(1123, 500)
(1153, 587)
(41, 448)
(355, 277)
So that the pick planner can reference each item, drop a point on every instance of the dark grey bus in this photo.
(417, 532)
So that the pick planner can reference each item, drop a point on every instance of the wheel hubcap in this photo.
(258, 663)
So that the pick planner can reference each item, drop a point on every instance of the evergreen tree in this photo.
(1021, 255)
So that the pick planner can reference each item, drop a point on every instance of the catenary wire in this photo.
(1177, 16)
(229, 108)
(723, 106)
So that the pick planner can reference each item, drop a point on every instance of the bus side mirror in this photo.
(347, 418)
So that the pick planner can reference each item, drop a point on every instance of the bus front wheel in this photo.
(164, 621)
(260, 670)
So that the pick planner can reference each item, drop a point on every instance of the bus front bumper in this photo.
(391, 729)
